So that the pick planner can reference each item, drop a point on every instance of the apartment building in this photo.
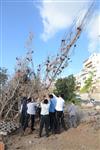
(90, 66)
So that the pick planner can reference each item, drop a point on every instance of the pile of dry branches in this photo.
(27, 82)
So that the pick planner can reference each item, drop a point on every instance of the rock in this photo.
(3, 133)
(88, 105)
(30, 142)
(18, 147)
(97, 107)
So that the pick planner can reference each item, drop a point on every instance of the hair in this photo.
(23, 100)
(45, 101)
(50, 96)
(24, 97)
(73, 101)
(29, 99)
(62, 95)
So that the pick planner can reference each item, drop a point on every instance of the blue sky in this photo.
(48, 20)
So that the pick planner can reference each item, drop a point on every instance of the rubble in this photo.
(8, 127)
(92, 117)
(97, 107)
(88, 105)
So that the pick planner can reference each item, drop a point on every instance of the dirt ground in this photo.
(85, 137)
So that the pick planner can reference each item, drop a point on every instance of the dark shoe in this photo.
(75, 127)
(58, 132)
(33, 129)
(50, 130)
(65, 128)
(40, 136)
(30, 132)
(22, 133)
(53, 132)
(47, 135)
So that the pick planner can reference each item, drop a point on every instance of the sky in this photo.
(49, 20)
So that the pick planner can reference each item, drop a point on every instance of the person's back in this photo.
(72, 109)
(31, 108)
(44, 121)
(60, 113)
(52, 110)
(59, 104)
(23, 109)
(45, 108)
(53, 102)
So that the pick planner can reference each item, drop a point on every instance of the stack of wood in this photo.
(8, 127)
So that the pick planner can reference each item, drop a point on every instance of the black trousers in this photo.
(60, 120)
(22, 119)
(52, 121)
(29, 117)
(44, 121)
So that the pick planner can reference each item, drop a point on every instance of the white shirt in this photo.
(45, 108)
(60, 104)
(31, 108)
(72, 110)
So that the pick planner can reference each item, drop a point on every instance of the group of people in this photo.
(50, 112)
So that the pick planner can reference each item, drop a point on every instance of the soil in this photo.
(85, 137)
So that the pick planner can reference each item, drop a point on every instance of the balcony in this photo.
(88, 63)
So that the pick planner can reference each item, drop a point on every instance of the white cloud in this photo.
(93, 31)
(57, 15)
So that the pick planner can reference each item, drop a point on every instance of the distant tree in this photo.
(3, 76)
(3, 79)
(66, 86)
(88, 86)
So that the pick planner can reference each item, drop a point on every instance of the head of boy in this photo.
(45, 101)
(50, 96)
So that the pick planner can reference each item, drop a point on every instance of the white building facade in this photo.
(91, 65)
